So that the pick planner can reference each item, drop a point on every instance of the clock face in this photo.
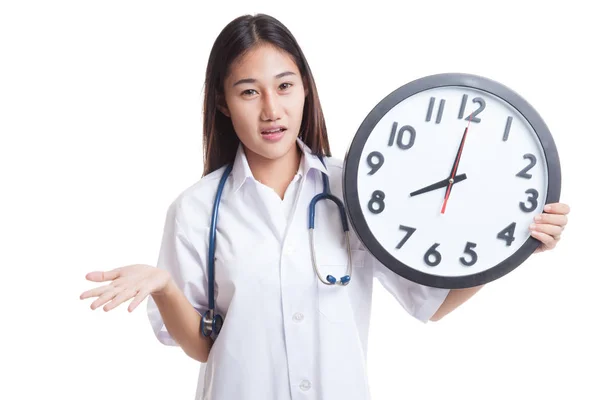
(402, 204)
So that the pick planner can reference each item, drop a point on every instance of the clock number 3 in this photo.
(533, 197)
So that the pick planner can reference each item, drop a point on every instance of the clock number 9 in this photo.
(375, 166)
(531, 199)
(377, 200)
(432, 252)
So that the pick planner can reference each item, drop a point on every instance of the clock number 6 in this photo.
(432, 252)
(531, 199)
(376, 204)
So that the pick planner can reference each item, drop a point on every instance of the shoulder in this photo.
(193, 205)
(336, 164)
(335, 167)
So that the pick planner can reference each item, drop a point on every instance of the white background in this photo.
(100, 123)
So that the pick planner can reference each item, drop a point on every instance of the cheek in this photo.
(243, 119)
(296, 106)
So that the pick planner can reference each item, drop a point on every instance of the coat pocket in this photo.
(334, 300)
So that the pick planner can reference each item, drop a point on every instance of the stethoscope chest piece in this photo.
(210, 323)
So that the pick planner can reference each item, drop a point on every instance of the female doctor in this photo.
(286, 334)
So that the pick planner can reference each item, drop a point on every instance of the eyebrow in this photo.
(252, 80)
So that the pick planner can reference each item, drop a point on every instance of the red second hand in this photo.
(462, 145)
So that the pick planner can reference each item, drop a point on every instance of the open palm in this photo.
(133, 281)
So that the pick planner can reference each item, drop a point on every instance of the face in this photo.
(264, 97)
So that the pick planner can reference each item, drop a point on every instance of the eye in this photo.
(289, 85)
(248, 92)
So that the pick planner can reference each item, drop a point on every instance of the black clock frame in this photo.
(352, 159)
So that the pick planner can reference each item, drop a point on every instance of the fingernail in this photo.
(548, 207)
(538, 218)
(532, 227)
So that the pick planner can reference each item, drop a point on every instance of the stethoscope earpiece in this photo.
(344, 280)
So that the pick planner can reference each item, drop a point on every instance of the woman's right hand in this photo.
(133, 281)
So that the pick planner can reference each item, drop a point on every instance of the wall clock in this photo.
(444, 176)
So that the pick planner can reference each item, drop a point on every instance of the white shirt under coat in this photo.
(285, 335)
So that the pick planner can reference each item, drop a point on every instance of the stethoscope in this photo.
(211, 323)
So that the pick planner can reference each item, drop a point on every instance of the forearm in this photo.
(455, 298)
(182, 322)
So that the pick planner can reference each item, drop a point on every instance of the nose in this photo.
(271, 109)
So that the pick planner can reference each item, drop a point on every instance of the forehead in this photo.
(262, 62)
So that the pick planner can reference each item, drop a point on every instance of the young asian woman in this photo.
(286, 334)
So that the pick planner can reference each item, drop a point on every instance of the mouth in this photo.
(274, 129)
(273, 133)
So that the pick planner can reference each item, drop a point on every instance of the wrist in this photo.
(167, 289)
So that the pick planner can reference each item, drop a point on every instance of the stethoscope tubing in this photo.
(211, 323)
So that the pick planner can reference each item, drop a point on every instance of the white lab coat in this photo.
(286, 335)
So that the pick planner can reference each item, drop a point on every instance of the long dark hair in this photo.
(238, 37)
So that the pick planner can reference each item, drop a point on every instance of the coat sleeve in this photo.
(186, 262)
(418, 300)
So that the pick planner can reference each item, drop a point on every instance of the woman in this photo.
(285, 335)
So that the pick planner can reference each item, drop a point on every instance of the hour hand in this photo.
(439, 185)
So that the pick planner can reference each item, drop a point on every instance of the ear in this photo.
(222, 106)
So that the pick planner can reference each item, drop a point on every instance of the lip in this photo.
(273, 127)
(273, 137)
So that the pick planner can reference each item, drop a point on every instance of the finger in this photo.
(557, 208)
(103, 276)
(94, 292)
(548, 241)
(142, 294)
(121, 297)
(552, 230)
(106, 297)
(553, 219)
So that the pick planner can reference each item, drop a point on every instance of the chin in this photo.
(274, 151)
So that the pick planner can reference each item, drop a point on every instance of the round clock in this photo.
(444, 177)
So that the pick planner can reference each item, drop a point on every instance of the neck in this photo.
(276, 174)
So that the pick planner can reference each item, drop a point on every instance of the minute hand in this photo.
(455, 167)
(439, 185)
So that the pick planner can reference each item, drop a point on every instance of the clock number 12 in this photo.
(473, 116)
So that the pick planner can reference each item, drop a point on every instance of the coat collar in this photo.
(241, 172)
